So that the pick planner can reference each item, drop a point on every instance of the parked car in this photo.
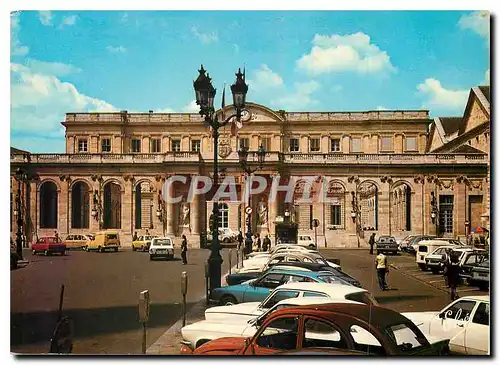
(77, 241)
(386, 244)
(403, 244)
(105, 240)
(411, 246)
(338, 326)
(280, 248)
(48, 245)
(291, 290)
(435, 260)
(142, 243)
(228, 235)
(196, 334)
(238, 278)
(465, 322)
(161, 247)
(307, 241)
(470, 260)
(258, 289)
(480, 275)
(425, 247)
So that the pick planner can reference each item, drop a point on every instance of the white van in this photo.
(425, 247)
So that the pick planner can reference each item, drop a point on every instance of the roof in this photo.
(313, 300)
(333, 289)
(450, 124)
(485, 89)
(485, 298)
(465, 148)
(16, 151)
(285, 271)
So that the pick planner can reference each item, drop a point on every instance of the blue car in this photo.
(256, 290)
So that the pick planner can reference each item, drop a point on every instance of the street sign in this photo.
(248, 210)
(315, 223)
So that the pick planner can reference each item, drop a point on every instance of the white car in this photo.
(465, 322)
(307, 241)
(290, 290)
(228, 235)
(434, 260)
(161, 247)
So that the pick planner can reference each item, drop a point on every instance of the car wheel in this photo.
(33, 252)
(151, 257)
(133, 248)
(142, 248)
(435, 270)
(422, 267)
(63, 253)
(100, 249)
(228, 300)
(115, 249)
(378, 252)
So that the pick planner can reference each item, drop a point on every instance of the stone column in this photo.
(384, 209)
(416, 205)
(127, 211)
(62, 219)
(194, 215)
(170, 211)
(460, 202)
(345, 147)
(273, 212)
(429, 226)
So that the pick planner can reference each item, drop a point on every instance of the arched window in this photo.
(48, 205)
(112, 206)
(80, 205)
(224, 215)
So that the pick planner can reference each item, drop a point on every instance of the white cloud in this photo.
(381, 107)
(39, 103)
(264, 79)
(51, 68)
(69, 20)
(16, 48)
(119, 49)
(477, 21)
(437, 97)
(300, 97)
(205, 38)
(165, 110)
(487, 77)
(192, 107)
(338, 53)
(45, 17)
(337, 88)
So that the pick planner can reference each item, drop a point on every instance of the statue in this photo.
(262, 213)
(185, 215)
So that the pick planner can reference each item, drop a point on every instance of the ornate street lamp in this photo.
(205, 95)
(434, 211)
(355, 213)
(21, 176)
(353, 216)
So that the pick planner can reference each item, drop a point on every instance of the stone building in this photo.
(386, 165)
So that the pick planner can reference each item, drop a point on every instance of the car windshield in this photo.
(328, 278)
(485, 263)
(404, 337)
(162, 243)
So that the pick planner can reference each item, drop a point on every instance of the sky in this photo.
(73, 61)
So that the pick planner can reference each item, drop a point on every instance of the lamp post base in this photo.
(215, 272)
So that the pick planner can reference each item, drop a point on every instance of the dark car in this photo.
(235, 279)
(471, 260)
(480, 275)
(386, 244)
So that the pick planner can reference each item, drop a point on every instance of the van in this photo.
(105, 240)
(425, 247)
(77, 241)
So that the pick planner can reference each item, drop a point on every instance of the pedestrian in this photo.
(135, 236)
(469, 239)
(259, 243)
(452, 272)
(372, 242)
(240, 240)
(147, 232)
(382, 270)
(56, 236)
(184, 248)
(266, 244)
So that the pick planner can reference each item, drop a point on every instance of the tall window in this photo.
(224, 216)
(176, 145)
(294, 145)
(106, 145)
(356, 145)
(314, 145)
(335, 217)
(82, 145)
(334, 145)
(155, 145)
(411, 144)
(136, 145)
(266, 143)
(243, 143)
(446, 213)
(195, 145)
(386, 144)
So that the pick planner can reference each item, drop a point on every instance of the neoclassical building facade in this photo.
(389, 166)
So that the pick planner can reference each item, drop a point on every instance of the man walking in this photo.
(266, 245)
(452, 271)
(184, 248)
(372, 242)
(382, 269)
(240, 240)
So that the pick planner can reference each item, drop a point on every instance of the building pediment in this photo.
(254, 113)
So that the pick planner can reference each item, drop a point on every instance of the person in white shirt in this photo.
(382, 269)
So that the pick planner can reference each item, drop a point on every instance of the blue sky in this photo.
(295, 60)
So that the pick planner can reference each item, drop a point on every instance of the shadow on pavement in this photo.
(28, 328)
(398, 298)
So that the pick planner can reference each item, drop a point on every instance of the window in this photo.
(334, 145)
(422, 248)
(356, 145)
(362, 338)
(404, 337)
(314, 145)
(446, 213)
(321, 334)
(176, 145)
(329, 279)
(294, 145)
(106, 145)
(296, 279)
(386, 144)
(279, 296)
(411, 144)
(82, 145)
(482, 315)
(266, 143)
(155, 145)
(335, 218)
(362, 297)
(223, 216)
(280, 334)
(195, 145)
(314, 294)
(459, 311)
(136, 145)
(271, 281)
(243, 143)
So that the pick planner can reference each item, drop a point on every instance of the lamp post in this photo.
(355, 213)
(243, 159)
(434, 212)
(21, 176)
(205, 94)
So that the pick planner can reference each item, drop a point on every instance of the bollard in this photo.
(184, 288)
(237, 258)
(230, 254)
(144, 315)
(206, 282)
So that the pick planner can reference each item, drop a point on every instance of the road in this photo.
(101, 296)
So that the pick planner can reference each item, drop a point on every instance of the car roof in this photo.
(314, 300)
(299, 272)
(162, 238)
(333, 289)
(482, 298)
(437, 242)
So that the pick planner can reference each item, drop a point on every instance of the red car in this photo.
(345, 327)
(48, 245)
